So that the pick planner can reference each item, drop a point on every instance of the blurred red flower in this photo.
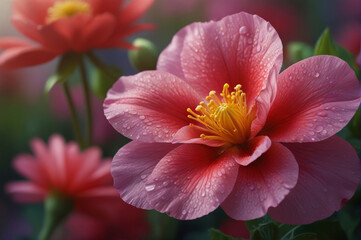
(81, 177)
(69, 25)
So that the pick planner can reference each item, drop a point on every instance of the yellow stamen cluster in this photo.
(226, 119)
(66, 9)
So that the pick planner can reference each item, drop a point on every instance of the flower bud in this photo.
(145, 56)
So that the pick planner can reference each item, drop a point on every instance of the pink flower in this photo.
(217, 125)
(82, 177)
(69, 25)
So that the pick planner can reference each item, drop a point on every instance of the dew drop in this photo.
(242, 30)
(323, 133)
(143, 176)
(317, 75)
(251, 187)
(258, 48)
(165, 183)
(203, 194)
(150, 187)
(141, 117)
(319, 128)
(322, 114)
(184, 212)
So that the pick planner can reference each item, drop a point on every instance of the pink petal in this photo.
(134, 10)
(131, 166)
(57, 149)
(43, 156)
(30, 168)
(264, 101)
(239, 49)
(19, 57)
(252, 150)
(315, 99)
(262, 184)
(12, 42)
(27, 28)
(96, 32)
(34, 11)
(329, 175)
(191, 181)
(99, 192)
(150, 106)
(26, 192)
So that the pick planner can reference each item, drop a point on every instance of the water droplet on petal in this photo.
(142, 117)
(322, 114)
(242, 30)
(319, 128)
(251, 187)
(317, 75)
(144, 176)
(184, 212)
(150, 187)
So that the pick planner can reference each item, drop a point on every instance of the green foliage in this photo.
(218, 235)
(100, 82)
(298, 51)
(327, 46)
(66, 67)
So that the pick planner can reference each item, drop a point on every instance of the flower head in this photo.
(69, 25)
(217, 125)
(80, 177)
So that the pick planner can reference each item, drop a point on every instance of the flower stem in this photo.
(85, 84)
(57, 208)
(74, 116)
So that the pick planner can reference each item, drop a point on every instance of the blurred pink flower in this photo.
(80, 176)
(69, 25)
(268, 146)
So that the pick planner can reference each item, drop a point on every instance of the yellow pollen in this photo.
(66, 9)
(225, 118)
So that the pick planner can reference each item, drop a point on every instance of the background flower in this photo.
(81, 177)
(70, 25)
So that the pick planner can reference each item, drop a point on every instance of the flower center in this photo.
(224, 118)
(66, 9)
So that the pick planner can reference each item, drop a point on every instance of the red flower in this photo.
(81, 177)
(69, 25)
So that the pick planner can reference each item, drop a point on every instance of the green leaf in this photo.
(298, 51)
(306, 236)
(327, 46)
(66, 67)
(100, 82)
(215, 234)
(266, 231)
(325, 230)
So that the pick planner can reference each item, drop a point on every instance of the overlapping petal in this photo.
(131, 167)
(191, 181)
(329, 173)
(18, 57)
(325, 95)
(235, 50)
(262, 184)
(150, 106)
